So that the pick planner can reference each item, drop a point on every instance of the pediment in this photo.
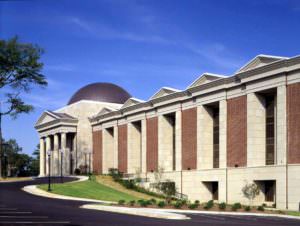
(131, 102)
(46, 117)
(163, 92)
(205, 78)
(259, 61)
(105, 110)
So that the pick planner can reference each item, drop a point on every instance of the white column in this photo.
(223, 134)
(281, 126)
(144, 147)
(165, 144)
(204, 138)
(133, 148)
(48, 149)
(55, 164)
(75, 155)
(42, 157)
(178, 141)
(66, 155)
(256, 130)
(115, 148)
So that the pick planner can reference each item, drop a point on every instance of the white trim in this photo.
(162, 89)
(257, 58)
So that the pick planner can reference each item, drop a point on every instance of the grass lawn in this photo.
(293, 213)
(89, 189)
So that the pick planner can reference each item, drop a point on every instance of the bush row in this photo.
(191, 205)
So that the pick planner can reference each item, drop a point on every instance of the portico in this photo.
(57, 138)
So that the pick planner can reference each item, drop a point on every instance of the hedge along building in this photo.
(212, 138)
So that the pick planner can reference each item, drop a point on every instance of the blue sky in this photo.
(141, 45)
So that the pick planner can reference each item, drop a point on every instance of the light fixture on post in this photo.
(89, 165)
(49, 168)
(61, 165)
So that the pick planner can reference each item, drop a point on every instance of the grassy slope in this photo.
(108, 181)
(89, 189)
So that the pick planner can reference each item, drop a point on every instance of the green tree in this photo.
(34, 167)
(20, 70)
(10, 152)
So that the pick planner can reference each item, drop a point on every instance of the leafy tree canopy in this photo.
(20, 69)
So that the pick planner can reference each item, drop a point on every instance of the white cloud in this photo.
(105, 32)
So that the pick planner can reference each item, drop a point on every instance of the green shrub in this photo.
(153, 201)
(247, 208)
(222, 206)
(197, 202)
(260, 208)
(178, 204)
(236, 206)
(193, 206)
(121, 202)
(161, 204)
(183, 201)
(143, 202)
(77, 171)
(209, 204)
(132, 202)
(264, 205)
(129, 184)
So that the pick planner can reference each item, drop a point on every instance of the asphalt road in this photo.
(20, 208)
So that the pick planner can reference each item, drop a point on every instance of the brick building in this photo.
(210, 139)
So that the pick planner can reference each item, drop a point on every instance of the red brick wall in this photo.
(293, 123)
(97, 152)
(237, 131)
(122, 148)
(152, 144)
(189, 139)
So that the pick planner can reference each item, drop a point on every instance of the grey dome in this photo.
(102, 92)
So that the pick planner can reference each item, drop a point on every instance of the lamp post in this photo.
(89, 166)
(49, 162)
(61, 165)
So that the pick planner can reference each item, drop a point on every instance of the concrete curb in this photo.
(229, 213)
(145, 212)
(34, 190)
(15, 181)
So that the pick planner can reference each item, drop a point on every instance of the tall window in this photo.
(216, 138)
(270, 130)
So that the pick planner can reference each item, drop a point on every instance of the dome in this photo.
(102, 92)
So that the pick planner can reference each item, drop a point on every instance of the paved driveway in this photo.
(20, 208)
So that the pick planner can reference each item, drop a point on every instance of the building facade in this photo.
(211, 139)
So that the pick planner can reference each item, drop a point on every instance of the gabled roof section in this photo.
(51, 116)
(132, 101)
(205, 78)
(105, 110)
(163, 92)
(259, 61)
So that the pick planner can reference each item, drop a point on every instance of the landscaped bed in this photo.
(209, 206)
